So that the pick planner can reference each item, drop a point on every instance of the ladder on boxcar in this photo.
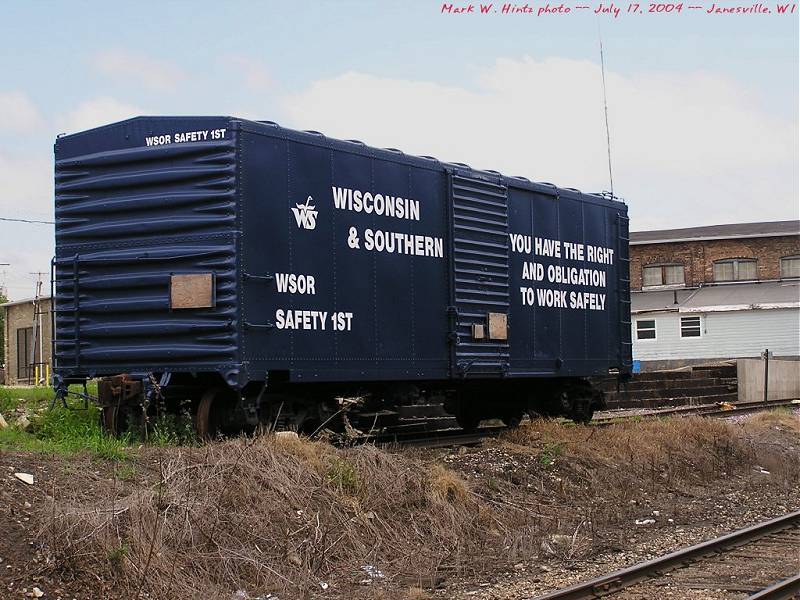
(624, 292)
(479, 276)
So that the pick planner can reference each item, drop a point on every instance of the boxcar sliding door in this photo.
(479, 272)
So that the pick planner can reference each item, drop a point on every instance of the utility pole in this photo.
(38, 335)
(3, 340)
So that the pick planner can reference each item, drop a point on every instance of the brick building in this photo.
(708, 293)
(25, 350)
(699, 255)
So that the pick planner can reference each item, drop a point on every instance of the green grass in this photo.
(77, 429)
(36, 397)
(117, 556)
(11, 398)
(343, 475)
(172, 430)
(57, 431)
(549, 453)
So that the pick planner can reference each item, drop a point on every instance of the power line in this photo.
(27, 221)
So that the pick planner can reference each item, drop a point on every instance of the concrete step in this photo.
(714, 371)
(676, 392)
(662, 375)
(638, 384)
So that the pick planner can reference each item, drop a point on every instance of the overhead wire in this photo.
(36, 221)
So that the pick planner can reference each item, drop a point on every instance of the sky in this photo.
(703, 108)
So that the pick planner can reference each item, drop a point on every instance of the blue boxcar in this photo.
(218, 253)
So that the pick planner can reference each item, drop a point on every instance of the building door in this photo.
(25, 352)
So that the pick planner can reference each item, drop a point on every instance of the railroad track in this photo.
(758, 562)
(441, 438)
(708, 410)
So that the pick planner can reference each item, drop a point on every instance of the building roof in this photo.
(720, 298)
(716, 232)
(23, 301)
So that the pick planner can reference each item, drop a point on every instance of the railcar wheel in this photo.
(468, 422)
(582, 417)
(467, 417)
(512, 419)
(215, 413)
(117, 419)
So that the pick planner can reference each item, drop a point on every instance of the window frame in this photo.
(699, 327)
(735, 262)
(662, 267)
(654, 329)
(790, 257)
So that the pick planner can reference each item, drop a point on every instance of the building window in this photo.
(690, 327)
(24, 352)
(790, 267)
(654, 275)
(646, 329)
(735, 269)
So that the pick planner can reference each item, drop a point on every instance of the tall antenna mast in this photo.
(605, 107)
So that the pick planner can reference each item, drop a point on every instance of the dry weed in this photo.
(416, 593)
(446, 486)
(283, 516)
(774, 437)
(589, 478)
(781, 418)
(267, 516)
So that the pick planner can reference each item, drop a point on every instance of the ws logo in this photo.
(306, 214)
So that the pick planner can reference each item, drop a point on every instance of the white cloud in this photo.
(154, 74)
(24, 260)
(18, 113)
(96, 112)
(688, 148)
(255, 74)
(27, 185)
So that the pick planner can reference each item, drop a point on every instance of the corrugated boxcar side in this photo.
(130, 213)
(378, 315)
(411, 317)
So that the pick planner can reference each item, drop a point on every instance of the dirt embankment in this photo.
(250, 518)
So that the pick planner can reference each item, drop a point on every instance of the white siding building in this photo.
(672, 328)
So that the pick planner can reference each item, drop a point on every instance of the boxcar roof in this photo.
(273, 129)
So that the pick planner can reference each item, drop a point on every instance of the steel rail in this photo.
(706, 410)
(435, 439)
(614, 582)
(443, 438)
(783, 590)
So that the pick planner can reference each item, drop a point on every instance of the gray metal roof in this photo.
(24, 301)
(720, 297)
(659, 300)
(716, 232)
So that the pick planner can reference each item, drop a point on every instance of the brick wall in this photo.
(20, 316)
(698, 257)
